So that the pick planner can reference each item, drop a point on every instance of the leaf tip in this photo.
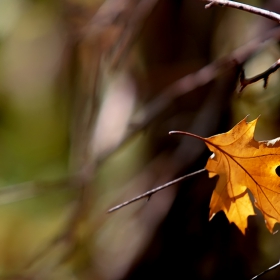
(255, 120)
(211, 216)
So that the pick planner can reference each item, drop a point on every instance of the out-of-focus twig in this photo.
(244, 7)
(189, 83)
(133, 28)
(150, 111)
(153, 191)
(131, 22)
(264, 75)
(267, 270)
(30, 189)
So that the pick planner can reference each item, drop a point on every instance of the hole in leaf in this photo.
(277, 170)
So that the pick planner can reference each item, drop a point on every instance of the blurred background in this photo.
(89, 90)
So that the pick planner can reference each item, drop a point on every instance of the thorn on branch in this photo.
(148, 198)
(264, 75)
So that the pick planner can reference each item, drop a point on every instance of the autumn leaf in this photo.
(243, 163)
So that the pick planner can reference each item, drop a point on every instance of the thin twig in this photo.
(153, 191)
(267, 270)
(265, 75)
(244, 7)
(258, 11)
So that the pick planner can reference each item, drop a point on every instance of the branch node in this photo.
(262, 76)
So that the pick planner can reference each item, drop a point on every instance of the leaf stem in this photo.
(205, 140)
(188, 134)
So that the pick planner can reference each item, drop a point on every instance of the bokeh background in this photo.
(89, 90)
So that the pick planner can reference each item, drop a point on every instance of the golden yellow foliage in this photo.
(243, 163)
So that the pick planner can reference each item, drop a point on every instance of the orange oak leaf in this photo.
(243, 163)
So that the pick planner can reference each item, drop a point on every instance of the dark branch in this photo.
(265, 75)
(244, 7)
(148, 194)
(267, 270)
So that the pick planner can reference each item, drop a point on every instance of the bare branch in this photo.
(148, 194)
(265, 75)
(267, 270)
(244, 7)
